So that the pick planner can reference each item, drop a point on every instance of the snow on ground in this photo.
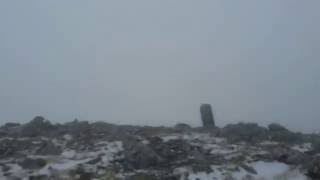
(303, 147)
(266, 143)
(223, 150)
(203, 137)
(15, 169)
(265, 171)
(276, 170)
(67, 137)
(218, 146)
(166, 138)
(108, 151)
(70, 159)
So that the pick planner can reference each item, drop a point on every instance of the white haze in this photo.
(154, 62)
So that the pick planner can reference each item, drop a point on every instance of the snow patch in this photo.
(303, 147)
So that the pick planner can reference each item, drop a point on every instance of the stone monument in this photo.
(207, 116)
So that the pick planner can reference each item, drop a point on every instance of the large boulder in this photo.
(29, 163)
(139, 155)
(172, 150)
(10, 130)
(281, 134)
(314, 169)
(13, 147)
(290, 156)
(178, 152)
(246, 132)
(286, 137)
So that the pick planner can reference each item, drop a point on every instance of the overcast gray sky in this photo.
(155, 62)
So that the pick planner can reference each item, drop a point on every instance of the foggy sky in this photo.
(154, 62)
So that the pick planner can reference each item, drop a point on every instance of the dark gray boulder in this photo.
(39, 177)
(173, 150)
(246, 132)
(29, 163)
(289, 156)
(314, 169)
(12, 147)
(139, 155)
(276, 127)
(48, 148)
(78, 128)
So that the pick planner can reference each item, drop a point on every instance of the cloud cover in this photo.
(155, 62)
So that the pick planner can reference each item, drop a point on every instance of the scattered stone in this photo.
(248, 177)
(92, 151)
(142, 176)
(39, 126)
(13, 178)
(139, 155)
(183, 127)
(5, 168)
(49, 148)
(176, 151)
(289, 156)
(11, 147)
(39, 177)
(10, 126)
(202, 166)
(245, 132)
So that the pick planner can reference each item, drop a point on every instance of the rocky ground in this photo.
(39, 150)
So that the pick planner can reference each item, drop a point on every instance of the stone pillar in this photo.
(207, 116)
